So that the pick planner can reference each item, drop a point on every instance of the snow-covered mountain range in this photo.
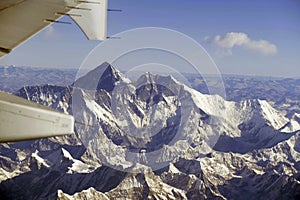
(154, 138)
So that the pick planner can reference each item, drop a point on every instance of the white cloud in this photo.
(233, 39)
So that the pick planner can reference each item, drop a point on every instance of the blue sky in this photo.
(258, 37)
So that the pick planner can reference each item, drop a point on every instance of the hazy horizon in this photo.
(124, 71)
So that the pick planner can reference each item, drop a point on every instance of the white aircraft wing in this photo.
(24, 120)
(21, 19)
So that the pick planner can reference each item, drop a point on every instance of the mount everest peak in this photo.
(103, 77)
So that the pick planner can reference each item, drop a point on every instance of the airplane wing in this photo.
(24, 120)
(21, 19)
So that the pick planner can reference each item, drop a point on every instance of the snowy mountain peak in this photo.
(90, 193)
(296, 117)
(66, 154)
(273, 116)
(39, 160)
(76, 166)
(149, 78)
(103, 77)
(293, 125)
(260, 111)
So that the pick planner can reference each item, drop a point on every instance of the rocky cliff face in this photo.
(153, 138)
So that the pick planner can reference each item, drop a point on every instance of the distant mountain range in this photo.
(13, 78)
(282, 93)
(156, 138)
